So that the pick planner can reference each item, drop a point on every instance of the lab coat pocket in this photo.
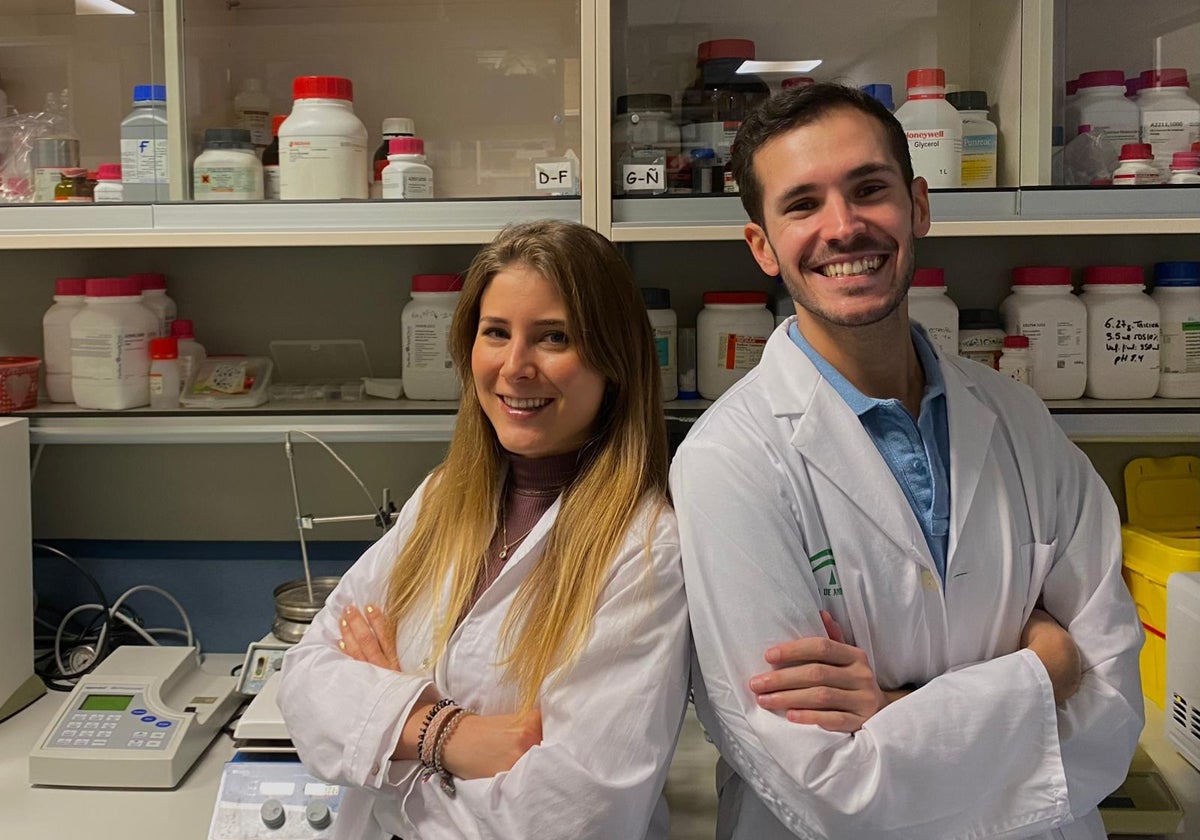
(1039, 557)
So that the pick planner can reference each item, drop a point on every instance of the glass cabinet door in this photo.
(683, 77)
(491, 89)
(68, 71)
(1126, 111)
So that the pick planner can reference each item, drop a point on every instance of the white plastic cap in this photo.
(399, 125)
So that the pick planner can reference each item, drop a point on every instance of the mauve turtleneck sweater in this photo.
(531, 487)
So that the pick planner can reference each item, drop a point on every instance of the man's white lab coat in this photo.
(786, 507)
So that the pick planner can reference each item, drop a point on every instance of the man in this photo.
(904, 582)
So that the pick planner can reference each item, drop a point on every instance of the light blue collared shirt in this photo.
(918, 454)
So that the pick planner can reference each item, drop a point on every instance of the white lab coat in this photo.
(609, 725)
(779, 470)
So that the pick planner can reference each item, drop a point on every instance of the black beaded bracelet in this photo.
(429, 716)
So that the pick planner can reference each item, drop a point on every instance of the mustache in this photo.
(859, 243)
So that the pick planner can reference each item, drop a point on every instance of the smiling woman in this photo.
(535, 574)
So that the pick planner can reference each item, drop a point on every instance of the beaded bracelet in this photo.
(429, 716)
(445, 779)
(435, 727)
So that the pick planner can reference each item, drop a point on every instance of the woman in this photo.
(532, 581)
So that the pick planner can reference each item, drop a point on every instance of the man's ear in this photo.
(760, 248)
(920, 203)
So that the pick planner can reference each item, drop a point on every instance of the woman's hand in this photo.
(369, 636)
(485, 745)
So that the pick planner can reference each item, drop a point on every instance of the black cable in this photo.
(49, 678)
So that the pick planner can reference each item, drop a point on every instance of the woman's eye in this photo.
(493, 332)
(556, 337)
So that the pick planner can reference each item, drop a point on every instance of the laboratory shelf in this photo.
(369, 421)
(1083, 421)
(273, 224)
(409, 421)
(1128, 421)
(1030, 211)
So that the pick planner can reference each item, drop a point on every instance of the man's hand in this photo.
(1056, 649)
(368, 636)
(822, 681)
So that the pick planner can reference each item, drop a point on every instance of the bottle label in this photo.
(1056, 346)
(945, 339)
(979, 160)
(1168, 132)
(144, 161)
(230, 182)
(44, 182)
(1133, 179)
(1181, 350)
(271, 182)
(739, 352)
(1130, 343)
(936, 155)
(662, 346)
(322, 168)
(156, 384)
(258, 123)
(1015, 370)
(409, 185)
(426, 344)
(110, 354)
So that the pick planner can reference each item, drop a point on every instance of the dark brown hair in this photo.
(798, 107)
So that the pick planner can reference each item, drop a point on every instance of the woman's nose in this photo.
(518, 361)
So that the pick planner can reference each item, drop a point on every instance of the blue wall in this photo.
(224, 586)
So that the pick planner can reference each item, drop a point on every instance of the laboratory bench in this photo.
(185, 812)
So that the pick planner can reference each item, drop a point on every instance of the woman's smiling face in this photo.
(539, 394)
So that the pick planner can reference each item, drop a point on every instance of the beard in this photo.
(818, 309)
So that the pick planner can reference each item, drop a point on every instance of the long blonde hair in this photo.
(624, 462)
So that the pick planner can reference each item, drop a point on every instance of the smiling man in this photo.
(904, 581)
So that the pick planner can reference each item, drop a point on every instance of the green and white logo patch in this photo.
(825, 570)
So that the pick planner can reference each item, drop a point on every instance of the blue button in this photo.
(138, 712)
(149, 719)
(163, 724)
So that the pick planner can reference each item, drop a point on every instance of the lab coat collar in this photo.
(831, 438)
(833, 441)
(972, 423)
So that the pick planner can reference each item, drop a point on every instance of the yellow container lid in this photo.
(1163, 495)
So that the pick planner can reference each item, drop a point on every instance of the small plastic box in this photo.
(1161, 538)
(228, 382)
(18, 383)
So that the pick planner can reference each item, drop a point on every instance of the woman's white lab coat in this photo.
(778, 479)
(609, 725)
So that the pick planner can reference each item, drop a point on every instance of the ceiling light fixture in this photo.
(101, 7)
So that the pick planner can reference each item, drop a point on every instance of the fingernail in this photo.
(772, 655)
(370, 609)
(757, 684)
(345, 623)
(341, 644)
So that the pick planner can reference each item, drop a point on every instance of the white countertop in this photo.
(42, 813)
(185, 812)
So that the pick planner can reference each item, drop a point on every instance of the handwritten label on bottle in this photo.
(1131, 341)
